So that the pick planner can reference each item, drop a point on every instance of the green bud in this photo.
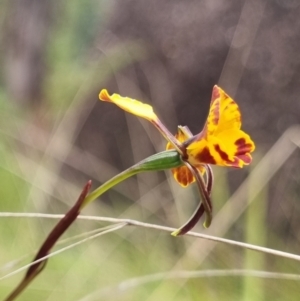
(160, 161)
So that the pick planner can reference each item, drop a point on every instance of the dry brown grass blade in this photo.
(50, 241)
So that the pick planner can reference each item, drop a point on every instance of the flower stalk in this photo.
(160, 161)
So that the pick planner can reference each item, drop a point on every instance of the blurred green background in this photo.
(55, 135)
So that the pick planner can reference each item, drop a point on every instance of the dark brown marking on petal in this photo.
(215, 94)
(222, 154)
(216, 105)
(183, 176)
(236, 160)
(216, 113)
(205, 156)
(190, 177)
(240, 142)
(242, 147)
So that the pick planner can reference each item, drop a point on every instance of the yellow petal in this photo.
(130, 105)
(224, 113)
(143, 110)
(222, 142)
(228, 148)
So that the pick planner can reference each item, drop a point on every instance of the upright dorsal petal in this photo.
(223, 114)
(222, 142)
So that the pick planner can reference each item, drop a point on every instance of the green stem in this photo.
(109, 184)
(161, 161)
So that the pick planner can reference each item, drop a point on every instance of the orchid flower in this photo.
(221, 142)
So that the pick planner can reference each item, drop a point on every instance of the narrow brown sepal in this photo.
(190, 224)
(204, 205)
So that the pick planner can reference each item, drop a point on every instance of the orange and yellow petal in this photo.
(183, 176)
(228, 148)
(130, 105)
(224, 113)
